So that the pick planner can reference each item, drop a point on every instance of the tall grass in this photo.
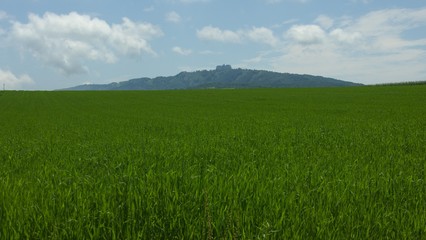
(214, 164)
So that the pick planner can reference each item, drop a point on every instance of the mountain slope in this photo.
(222, 77)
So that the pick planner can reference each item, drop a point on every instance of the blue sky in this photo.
(50, 44)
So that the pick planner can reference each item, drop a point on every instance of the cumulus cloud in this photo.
(173, 17)
(11, 81)
(381, 46)
(217, 34)
(306, 34)
(262, 35)
(181, 51)
(67, 41)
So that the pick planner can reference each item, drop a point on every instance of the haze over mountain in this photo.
(223, 76)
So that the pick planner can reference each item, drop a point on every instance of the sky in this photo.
(50, 44)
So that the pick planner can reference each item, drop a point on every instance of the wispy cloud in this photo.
(173, 17)
(3, 15)
(344, 36)
(149, 9)
(278, 1)
(361, 1)
(194, 1)
(324, 21)
(255, 34)
(181, 51)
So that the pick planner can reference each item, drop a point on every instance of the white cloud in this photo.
(345, 37)
(370, 49)
(181, 51)
(324, 21)
(66, 42)
(306, 34)
(384, 32)
(11, 81)
(389, 22)
(256, 34)
(262, 35)
(173, 17)
(217, 34)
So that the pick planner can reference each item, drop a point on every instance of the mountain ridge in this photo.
(224, 76)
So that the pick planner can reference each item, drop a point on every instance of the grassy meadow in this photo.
(326, 163)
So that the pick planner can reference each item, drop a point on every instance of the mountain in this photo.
(223, 76)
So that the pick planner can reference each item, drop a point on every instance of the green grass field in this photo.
(329, 163)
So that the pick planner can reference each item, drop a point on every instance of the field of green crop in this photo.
(330, 163)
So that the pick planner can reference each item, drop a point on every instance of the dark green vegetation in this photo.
(403, 83)
(222, 77)
(325, 163)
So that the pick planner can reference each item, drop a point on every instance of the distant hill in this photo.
(223, 76)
